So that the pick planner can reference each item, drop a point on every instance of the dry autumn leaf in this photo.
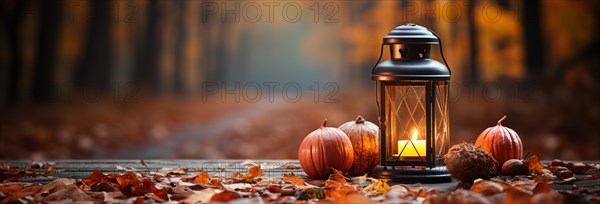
(486, 187)
(340, 192)
(225, 196)
(465, 196)
(202, 178)
(14, 192)
(292, 178)
(202, 196)
(131, 187)
(517, 195)
(4, 167)
(336, 179)
(377, 187)
(542, 188)
(355, 198)
(96, 176)
(49, 168)
(537, 168)
(253, 172)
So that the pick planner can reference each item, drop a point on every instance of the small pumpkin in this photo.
(501, 142)
(323, 150)
(365, 142)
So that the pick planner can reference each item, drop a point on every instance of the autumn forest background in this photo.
(139, 79)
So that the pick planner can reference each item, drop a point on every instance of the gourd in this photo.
(364, 136)
(323, 150)
(501, 142)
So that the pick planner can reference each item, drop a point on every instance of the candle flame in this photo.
(414, 135)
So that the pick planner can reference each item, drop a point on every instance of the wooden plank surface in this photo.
(77, 169)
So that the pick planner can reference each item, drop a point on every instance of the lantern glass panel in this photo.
(442, 130)
(405, 120)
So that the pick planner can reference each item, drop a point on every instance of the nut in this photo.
(514, 167)
(579, 168)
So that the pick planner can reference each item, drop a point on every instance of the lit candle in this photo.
(409, 150)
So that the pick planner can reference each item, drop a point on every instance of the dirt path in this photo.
(173, 145)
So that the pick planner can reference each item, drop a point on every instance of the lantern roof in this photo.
(410, 34)
(426, 69)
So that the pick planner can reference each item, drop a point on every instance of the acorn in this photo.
(514, 167)
(467, 162)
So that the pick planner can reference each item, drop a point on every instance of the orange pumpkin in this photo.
(364, 136)
(501, 142)
(323, 150)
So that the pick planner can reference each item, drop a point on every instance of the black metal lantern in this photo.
(412, 95)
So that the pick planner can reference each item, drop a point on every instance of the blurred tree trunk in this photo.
(14, 67)
(146, 71)
(221, 61)
(43, 72)
(179, 80)
(534, 51)
(474, 51)
(94, 70)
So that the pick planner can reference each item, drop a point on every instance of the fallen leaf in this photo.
(542, 188)
(126, 181)
(339, 193)
(202, 178)
(465, 196)
(109, 197)
(486, 187)
(523, 183)
(570, 180)
(538, 169)
(397, 191)
(547, 197)
(224, 196)
(96, 176)
(56, 185)
(292, 178)
(253, 172)
(11, 188)
(17, 191)
(517, 195)
(4, 167)
(291, 166)
(49, 168)
(68, 195)
(104, 187)
(202, 196)
(336, 179)
(377, 187)
(354, 198)
(362, 178)
(236, 186)
(138, 200)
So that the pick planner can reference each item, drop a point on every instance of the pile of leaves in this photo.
(195, 185)
(34, 169)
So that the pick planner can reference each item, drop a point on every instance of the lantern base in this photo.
(438, 174)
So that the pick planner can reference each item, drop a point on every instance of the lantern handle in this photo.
(378, 59)
(377, 85)
(441, 51)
